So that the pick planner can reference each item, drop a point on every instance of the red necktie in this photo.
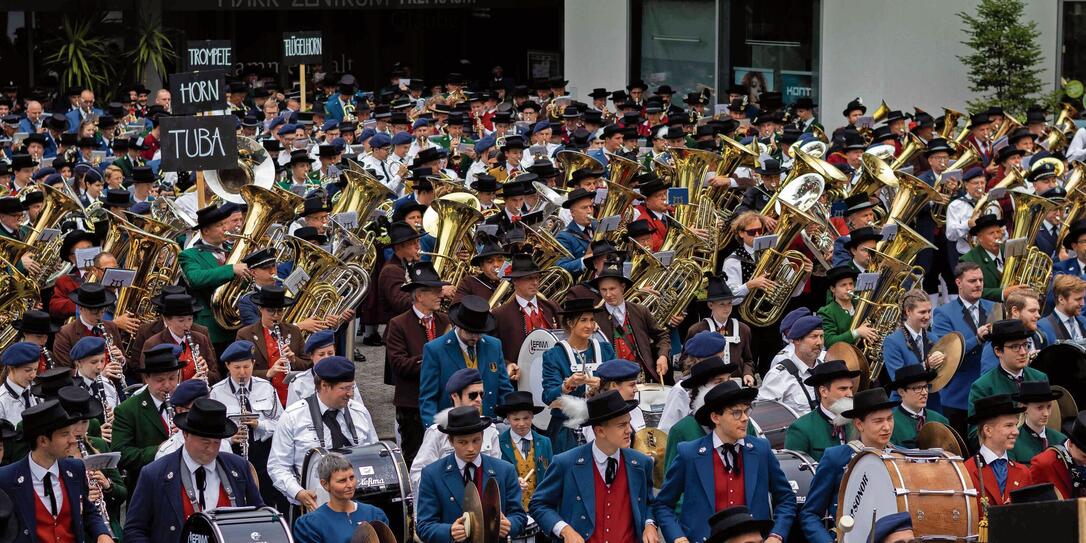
(533, 318)
(514, 218)
(428, 323)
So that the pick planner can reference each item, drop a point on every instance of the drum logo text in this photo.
(859, 496)
(197, 538)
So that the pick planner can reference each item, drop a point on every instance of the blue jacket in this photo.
(556, 368)
(896, 355)
(948, 318)
(542, 449)
(441, 496)
(841, 255)
(333, 109)
(26, 126)
(155, 511)
(568, 491)
(442, 357)
(1046, 242)
(74, 118)
(690, 479)
(17, 481)
(250, 313)
(1069, 266)
(575, 240)
(1054, 330)
(822, 496)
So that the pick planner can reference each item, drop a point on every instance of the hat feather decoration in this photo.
(442, 417)
(699, 400)
(576, 411)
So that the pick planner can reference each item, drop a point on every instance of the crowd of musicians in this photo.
(899, 277)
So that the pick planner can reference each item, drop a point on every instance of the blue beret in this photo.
(43, 172)
(88, 346)
(287, 129)
(619, 370)
(484, 144)
(317, 340)
(975, 171)
(334, 369)
(540, 126)
(891, 524)
(705, 344)
(380, 140)
(804, 326)
(89, 172)
(21, 353)
(401, 138)
(330, 125)
(188, 392)
(420, 122)
(140, 208)
(340, 144)
(53, 179)
(791, 317)
(238, 350)
(462, 379)
(366, 134)
(278, 120)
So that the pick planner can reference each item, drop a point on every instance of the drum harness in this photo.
(578, 358)
(318, 422)
(730, 339)
(791, 368)
(190, 490)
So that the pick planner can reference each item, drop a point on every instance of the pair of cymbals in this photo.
(482, 514)
(373, 532)
(936, 435)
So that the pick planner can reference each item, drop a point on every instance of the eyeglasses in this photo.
(738, 413)
(1016, 347)
(474, 395)
(919, 388)
(275, 310)
(754, 231)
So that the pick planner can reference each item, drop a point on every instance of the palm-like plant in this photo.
(153, 47)
(82, 58)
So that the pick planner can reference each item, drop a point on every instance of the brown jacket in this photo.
(510, 327)
(476, 285)
(74, 331)
(651, 340)
(255, 333)
(740, 353)
(201, 339)
(391, 300)
(149, 329)
(404, 339)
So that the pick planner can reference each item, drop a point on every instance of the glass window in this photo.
(771, 52)
(678, 44)
(1074, 32)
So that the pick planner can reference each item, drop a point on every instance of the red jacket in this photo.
(1048, 467)
(60, 306)
(1018, 476)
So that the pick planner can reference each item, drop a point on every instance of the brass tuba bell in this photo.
(255, 167)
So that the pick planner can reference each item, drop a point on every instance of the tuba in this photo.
(621, 170)
(1034, 268)
(449, 220)
(57, 206)
(912, 196)
(876, 177)
(547, 252)
(1015, 178)
(17, 295)
(554, 283)
(362, 194)
(836, 182)
(266, 207)
(1010, 124)
(255, 167)
(950, 122)
(571, 161)
(155, 261)
(913, 145)
(619, 201)
(1075, 186)
(783, 266)
(334, 286)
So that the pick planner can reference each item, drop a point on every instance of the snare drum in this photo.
(382, 481)
(799, 469)
(232, 524)
(771, 420)
(531, 530)
(932, 486)
(652, 397)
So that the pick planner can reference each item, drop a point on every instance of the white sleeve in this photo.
(676, 406)
(429, 452)
(734, 272)
(1077, 149)
(369, 434)
(495, 448)
(957, 220)
(281, 458)
(773, 385)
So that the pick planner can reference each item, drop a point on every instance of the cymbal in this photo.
(473, 514)
(936, 435)
(384, 533)
(365, 533)
(1061, 408)
(855, 360)
(492, 511)
(953, 346)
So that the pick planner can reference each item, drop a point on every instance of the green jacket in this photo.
(836, 324)
(138, 430)
(905, 426)
(812, 434)
(204, 275)
(995, 381)
(1029, 444)
(992, 278)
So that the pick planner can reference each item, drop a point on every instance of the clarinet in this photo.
(100, 393)
(243, 401)
(101, 328)
(49, 364)
(169, 412)
(100, 503)
(280, 341)
(194, 348)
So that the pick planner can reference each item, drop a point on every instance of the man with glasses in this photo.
(86, 108)
(913, 383)
(724, 469)
(1010, 341)
(1025, 305)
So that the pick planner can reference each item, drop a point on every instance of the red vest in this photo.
(659, 227)
(224, 501)
(279, 381)
(729, 487)
(614, 518)
(54, 530)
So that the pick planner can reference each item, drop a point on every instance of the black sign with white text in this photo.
(302, 48)
(201, 54)
(193, 92)
(199, 143)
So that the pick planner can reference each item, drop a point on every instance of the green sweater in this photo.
(1029, 444)
(836, 324)
(995, 381)
(204, 274)
(812, 434)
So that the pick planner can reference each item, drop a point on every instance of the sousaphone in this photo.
(255, 167)
(952, 346)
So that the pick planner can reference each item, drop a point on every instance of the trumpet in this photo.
(100, 503)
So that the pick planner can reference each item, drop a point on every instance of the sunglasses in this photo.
(754, 231)
(474, 395)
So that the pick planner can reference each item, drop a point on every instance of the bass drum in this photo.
(382, 481)
(232, 524)
(771, 420)
(530, 534)
(530, 363)
(799, 468)
(932, 486)
(1065, 364)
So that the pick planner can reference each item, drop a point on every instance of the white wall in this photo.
(597, 38)
(906, 53)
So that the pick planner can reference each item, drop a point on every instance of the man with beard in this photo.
(823, 428)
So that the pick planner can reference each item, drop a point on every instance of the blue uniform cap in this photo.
(317, 340)
(366, 134)
(21, 353)
(42, 173)
(340, 144)
(705, 344)
(334, 369)
(420, 122)
(330, 124)
(286, 129)
(540, 126)
(482, 145)
(188, 392)
(462, 379)
(87, 347)
(618, 370)
(803, 326)
(278, 120)
(140, 208)
(380, 140)
(401, 138)
(238, 350)
(892, 524)
(791, 317)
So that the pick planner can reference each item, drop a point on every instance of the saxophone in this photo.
(100, 503)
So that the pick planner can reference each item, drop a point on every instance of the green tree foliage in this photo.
(1003, 65)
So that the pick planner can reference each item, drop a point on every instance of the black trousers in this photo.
(409, 423)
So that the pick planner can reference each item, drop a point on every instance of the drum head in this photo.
(771, 420)
(263, 525)
(310, 478)
(953, 346)
(530, 362)
(867, 489)
(935, 435)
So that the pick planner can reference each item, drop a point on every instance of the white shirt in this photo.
(779, 385)
(990, 456)
(676, 406)
(211, 485)
(733, 272)
(435, 445)
(1076, 150)
(617, 312)
(1070, 323)
(37, 474)
(110, 391)
(958, 213)
(302, 387)
(717, 442)
(295, 435)
(997, 258)
(263, 400)
(12, 405)
(161, 412)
